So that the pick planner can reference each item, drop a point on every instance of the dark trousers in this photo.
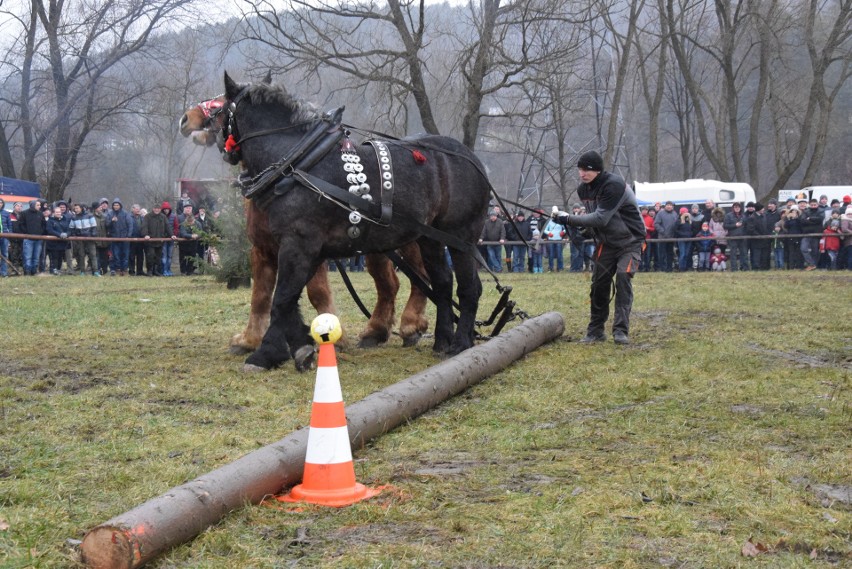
(619, 265)
(103, 259)
(760, 258)
(82, 250)
(137, 258)
(665, 256)
(187, 254)
(738, 254)
(56, 257)
(793, 253)
(154, 259)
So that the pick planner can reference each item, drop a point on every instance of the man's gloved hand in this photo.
(63, 235)
(555, 213)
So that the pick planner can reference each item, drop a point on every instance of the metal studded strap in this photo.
(386, 187)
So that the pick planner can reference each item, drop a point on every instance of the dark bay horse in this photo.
(203, 122)
(440, 193)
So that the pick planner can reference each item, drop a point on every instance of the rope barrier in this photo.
(107, 239)
(689, 239)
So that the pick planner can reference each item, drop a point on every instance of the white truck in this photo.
(814, 192)
(697, 191)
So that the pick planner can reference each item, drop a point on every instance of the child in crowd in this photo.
(830, 244)
(536, 251)
(704, 247)
(717, 260)
(778, 245)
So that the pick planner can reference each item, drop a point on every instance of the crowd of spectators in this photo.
(805, 234)
(152, 236)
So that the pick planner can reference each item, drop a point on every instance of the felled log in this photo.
(133, 538)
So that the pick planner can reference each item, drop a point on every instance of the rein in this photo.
(312, 147)
(327, 126)
(294, 167)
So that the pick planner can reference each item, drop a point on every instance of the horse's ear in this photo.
(231, 88)
(268, 79)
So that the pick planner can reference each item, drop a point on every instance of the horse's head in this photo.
(263, 114)
(203, 121)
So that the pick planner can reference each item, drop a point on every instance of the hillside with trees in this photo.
(757, 91)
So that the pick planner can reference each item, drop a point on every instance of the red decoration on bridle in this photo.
(231, 144)
(418, 157)
(211, 108)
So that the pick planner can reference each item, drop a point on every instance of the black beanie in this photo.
(590, 160)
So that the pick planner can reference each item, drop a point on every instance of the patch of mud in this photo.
(448, 465)
(391, 533)
(47, 379)
(660, 322)
(443, 468)
(576, 415)
(653, 319)
(836, 496)
(747, 409)
(657, 551)
(807, 359)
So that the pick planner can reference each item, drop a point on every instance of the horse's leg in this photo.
(379, 326)
(442, 286)
(321, 297)
(264, 266)
(413, 323)
(469, 290)
(287, 331)
(319, 291)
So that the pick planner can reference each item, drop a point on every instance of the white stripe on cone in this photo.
(327, 387)
(328, 446)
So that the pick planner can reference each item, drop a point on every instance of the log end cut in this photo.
(111, 547)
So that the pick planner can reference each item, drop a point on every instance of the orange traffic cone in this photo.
(329, 477)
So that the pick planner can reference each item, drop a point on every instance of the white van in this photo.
(691, 192)
(832, 192)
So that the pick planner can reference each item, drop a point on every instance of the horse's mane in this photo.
(301, 111)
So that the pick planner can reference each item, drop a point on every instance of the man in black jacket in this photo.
(31, 222)
(615, 222)
(812, 218)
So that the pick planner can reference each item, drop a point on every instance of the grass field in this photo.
(726, 420)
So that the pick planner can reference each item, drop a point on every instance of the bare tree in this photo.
(387, 47)
(738, 67)
(621, 37)
(652, 64)
(73, 90)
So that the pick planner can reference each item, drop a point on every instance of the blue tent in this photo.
(12, 190)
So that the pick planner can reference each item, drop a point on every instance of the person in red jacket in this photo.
(831, 242)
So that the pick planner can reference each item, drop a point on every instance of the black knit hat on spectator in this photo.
(758, 206)
(749, 204)
(591, 161)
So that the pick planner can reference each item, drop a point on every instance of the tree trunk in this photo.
(133, 538)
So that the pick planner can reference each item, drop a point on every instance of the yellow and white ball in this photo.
(326, 329)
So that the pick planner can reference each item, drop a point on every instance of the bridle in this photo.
(231, 139)
(212, 111)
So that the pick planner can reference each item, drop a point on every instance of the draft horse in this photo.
(203, 123)
(432, 189)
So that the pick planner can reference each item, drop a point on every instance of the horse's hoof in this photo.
(411, 341)
(305, 358)
(251, 368)
(460, 344)
(239, 350)
(369, 342)
(260, 359)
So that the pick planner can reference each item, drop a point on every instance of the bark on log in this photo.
(135, 537)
